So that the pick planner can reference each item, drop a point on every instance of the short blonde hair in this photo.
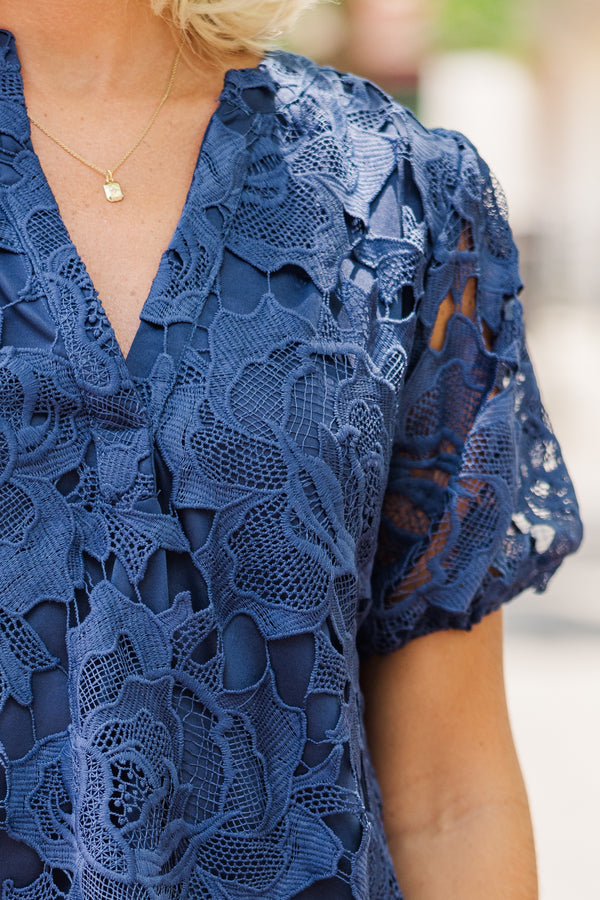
(225, 27)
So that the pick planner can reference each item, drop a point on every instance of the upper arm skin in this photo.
(438, 727)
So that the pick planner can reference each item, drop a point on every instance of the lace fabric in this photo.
(326, 439)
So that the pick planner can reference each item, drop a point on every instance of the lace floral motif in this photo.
(188, 536)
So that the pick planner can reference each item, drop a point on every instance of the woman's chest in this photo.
(121, 243)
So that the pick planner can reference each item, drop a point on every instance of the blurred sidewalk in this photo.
(553, 639)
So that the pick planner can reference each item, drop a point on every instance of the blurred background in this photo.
(522, 79)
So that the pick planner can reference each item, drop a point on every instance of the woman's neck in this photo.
(91, 48)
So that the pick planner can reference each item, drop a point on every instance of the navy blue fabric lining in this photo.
(197, 543)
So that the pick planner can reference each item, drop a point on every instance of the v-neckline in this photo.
(255, 75)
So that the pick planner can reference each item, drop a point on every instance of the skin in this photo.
(455, 807)
(456, 810)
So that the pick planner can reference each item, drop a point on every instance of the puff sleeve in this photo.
(478, 504)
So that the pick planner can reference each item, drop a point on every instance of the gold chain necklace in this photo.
(112, 189)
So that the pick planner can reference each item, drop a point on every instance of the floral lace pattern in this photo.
(290, 464)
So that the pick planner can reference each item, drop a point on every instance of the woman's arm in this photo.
(455, 807)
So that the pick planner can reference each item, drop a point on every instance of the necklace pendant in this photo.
(112, 189)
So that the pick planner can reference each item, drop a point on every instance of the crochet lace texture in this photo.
(327, 435)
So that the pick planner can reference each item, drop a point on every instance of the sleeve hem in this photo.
(381, 636)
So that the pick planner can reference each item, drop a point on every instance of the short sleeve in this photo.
(478, 504)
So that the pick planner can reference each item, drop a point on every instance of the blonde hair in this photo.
(225, 27)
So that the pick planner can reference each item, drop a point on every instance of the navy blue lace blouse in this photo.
(299, 462)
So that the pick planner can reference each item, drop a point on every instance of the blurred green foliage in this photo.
(485, 24)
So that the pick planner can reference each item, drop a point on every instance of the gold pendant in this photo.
(112, 189)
